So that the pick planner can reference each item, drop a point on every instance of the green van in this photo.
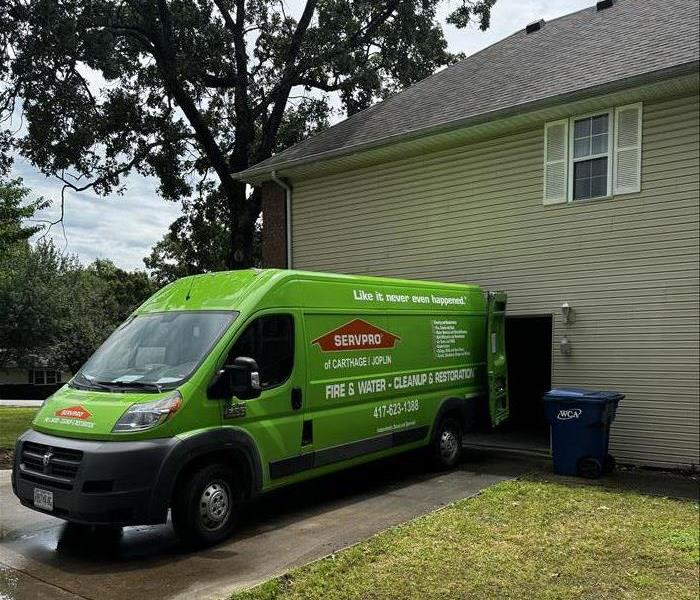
(225, 385)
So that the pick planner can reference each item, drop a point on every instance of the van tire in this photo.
(206, 505)
(446, 448)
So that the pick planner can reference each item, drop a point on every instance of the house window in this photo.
(597, 155)
(44, 376)
(591, 157)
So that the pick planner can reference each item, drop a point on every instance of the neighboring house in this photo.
(560, 165)
(35, 382)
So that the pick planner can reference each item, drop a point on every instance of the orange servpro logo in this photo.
(356, 335)
(74, 412)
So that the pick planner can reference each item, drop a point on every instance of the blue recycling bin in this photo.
(580, 423)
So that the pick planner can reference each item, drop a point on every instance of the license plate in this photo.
(43, 499)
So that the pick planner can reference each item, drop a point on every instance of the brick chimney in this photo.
(274, 229)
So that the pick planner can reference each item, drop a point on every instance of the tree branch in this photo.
(133, 32)
(320, 85)
(213, 81)
(60, 220)
(280, 97)
(361, 37)
(165, 59)
(67, 185)
(226, 15)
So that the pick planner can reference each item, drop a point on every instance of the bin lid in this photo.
(581, 394)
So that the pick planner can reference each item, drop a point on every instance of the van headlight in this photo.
(148, 414)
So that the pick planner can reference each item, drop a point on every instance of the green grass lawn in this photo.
(13, 421)
(531, 539)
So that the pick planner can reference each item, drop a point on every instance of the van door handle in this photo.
(296, 398)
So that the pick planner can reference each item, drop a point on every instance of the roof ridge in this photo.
(581, 50)
(388, 99)
(447, 68)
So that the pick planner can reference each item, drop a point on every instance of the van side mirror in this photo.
(240, 379)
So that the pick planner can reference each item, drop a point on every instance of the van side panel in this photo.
(359, 392)
(381, 359)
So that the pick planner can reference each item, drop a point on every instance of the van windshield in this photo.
(154, 351)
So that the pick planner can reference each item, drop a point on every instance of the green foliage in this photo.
(481, 11)
(32, 301)
(189, 91)
(53, 308)
(196, 243)
(104, 297)
(14, 209)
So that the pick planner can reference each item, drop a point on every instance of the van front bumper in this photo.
(93, 482)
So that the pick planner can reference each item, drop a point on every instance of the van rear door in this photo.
(496, 357)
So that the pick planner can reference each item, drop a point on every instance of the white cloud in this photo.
(507, 17)
(124, 228)
(121, 228)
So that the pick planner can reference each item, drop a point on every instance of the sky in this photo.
(124, 228)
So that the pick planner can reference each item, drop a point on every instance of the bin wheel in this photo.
(590, 468)
(609, 463)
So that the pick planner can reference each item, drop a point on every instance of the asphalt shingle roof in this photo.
(585, 49)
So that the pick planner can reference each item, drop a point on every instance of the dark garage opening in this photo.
(529, 352)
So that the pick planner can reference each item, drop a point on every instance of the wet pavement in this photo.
(43, 558)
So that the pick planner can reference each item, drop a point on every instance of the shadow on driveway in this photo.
(286, 528)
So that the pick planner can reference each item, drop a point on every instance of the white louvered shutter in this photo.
(628, 149)
(556, 161)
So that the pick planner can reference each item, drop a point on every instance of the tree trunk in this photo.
(242, 217)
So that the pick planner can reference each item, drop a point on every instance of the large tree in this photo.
(16, 209)
(55, 309)
(52, 308)
(191, 91)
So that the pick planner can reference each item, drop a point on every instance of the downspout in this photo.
(288, 213)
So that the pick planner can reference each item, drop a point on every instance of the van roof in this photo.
(252, 289)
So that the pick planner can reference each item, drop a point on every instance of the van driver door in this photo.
(274, 419)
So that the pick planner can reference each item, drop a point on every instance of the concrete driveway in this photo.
(42, 557)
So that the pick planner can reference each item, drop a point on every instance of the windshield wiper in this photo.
(90, 384)
(131, 384)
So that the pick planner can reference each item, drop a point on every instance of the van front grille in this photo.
(49, 465)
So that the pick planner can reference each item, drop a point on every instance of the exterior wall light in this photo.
(566, 312)
(565, 346)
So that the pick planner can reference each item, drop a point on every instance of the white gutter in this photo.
(288, 213)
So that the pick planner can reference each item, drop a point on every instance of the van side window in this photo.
(270, 341)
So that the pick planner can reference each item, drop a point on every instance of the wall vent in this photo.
(603, 4)
(534, 26)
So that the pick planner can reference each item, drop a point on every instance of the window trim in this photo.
(610, 112)
(244, 328)
(33, 379)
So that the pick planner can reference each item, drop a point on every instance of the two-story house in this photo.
(560, 165)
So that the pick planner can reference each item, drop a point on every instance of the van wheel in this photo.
(205, 506)
(447, 443)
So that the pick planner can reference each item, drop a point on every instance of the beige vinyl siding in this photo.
(627, 265)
